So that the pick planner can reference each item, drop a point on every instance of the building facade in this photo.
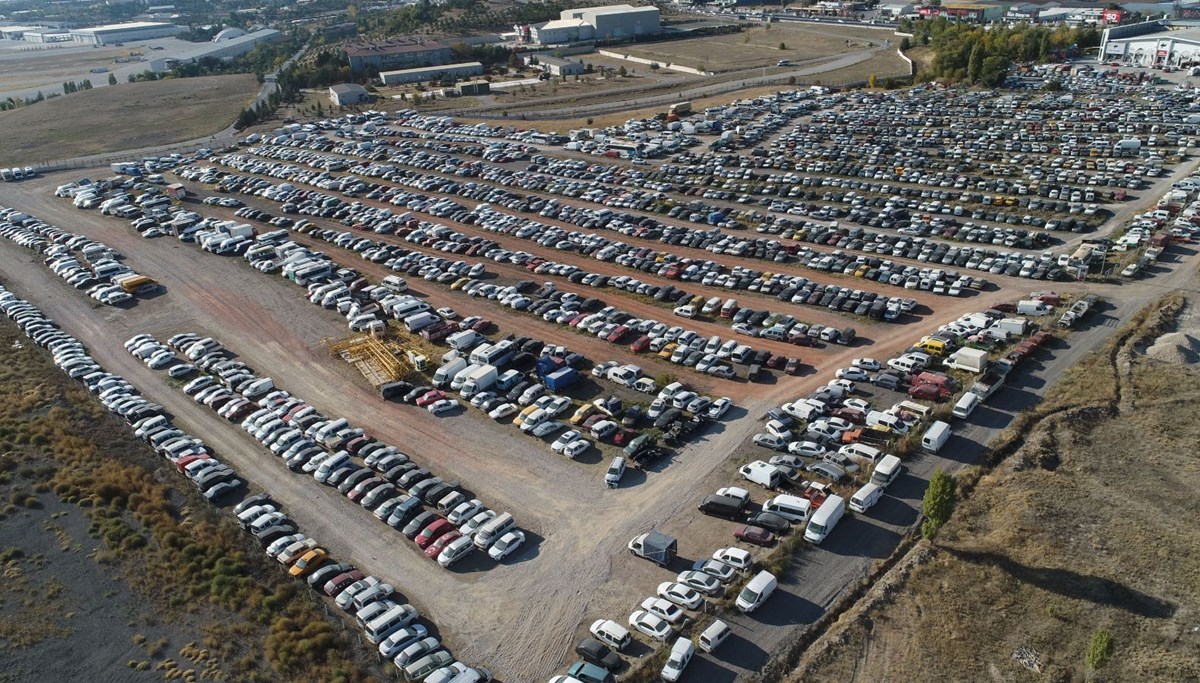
(397, 53)
(121, 33)
(348, 93)
(428, 73)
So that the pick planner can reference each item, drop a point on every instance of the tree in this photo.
(112, 79)
(783, 46)
(938, 503)
(975, 63)
(621, 72)
(995, 70)
(905, 43)
(871, 81)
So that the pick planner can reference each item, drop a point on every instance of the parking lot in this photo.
(879, 212)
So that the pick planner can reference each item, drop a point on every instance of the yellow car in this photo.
(460, 283)
(667, 350)
(520, 418)
(585, 411)
(308, 562)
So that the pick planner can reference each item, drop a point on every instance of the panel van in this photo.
(825, 519)
(886, 471)
(966, 405)
(793, 508)
(865, 497)
(490, 532)
(759, 589)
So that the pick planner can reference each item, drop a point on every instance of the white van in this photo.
(886, 471)
(761, 586)
(864, 498)
(336, 461)
(612, 634)
(935, 437)
(714, 635)
(825, 519)
(389, 622)
(861, 451)
(681, 655)
(966, 405)
(888, 420)
(763, 474)
(794, 508)
(489, 533)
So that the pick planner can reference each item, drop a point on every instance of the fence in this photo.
(96, 160)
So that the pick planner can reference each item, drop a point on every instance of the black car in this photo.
(594, 652)
(418, 523)
(667, 417)
(771, 522)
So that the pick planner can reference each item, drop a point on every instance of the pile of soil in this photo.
(1182, 347)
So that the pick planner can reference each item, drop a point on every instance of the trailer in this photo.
(655, 546)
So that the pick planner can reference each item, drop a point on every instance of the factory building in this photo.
(123, 33)
(593, 23)
(397, 53)
(429, 73)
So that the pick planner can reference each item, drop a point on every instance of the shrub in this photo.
(1099, 649)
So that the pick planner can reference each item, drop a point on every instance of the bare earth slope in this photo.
(1090, 526)
(129, 116)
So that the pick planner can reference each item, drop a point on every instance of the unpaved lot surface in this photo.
(1076, 533)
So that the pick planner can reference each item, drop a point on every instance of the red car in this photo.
(641, 344)
(623, 436)
(755, 534)
(340, 582)
(439, 545)
(432, 532)
(431, 397)
(850, 415)
(927, 392)
(189, 459)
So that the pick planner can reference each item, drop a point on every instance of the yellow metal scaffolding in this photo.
(379, 360)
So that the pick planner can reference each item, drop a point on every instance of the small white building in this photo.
(428, 73)
(348, 93)
(562, 31)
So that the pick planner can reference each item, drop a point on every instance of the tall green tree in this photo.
(975, 63)
(939, 502)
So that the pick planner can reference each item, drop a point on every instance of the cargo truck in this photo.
(655, 546)
(971, 360)
(559, 380)
(480, 380)
(991, 380)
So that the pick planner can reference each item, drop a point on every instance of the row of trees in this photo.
(982, 56)
(71, 86)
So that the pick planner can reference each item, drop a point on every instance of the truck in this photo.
(971, 360)
(480, 380)
(991, 380)
(136, 284)
(124, 168)
(1077, 311)
(560, 379)
(655, 546)
(1015, 326)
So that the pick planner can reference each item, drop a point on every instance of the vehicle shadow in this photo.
(1071, 584)
(855, 537)
(894, 511)
(782, 609)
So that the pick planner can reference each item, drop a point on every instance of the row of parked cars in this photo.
(389, 624)
(83, 263)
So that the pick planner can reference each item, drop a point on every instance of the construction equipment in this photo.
(380, 355)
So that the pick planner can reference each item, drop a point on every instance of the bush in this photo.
(1099, 650)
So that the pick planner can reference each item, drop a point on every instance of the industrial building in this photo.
(348, 93)
(397, 53)
(47, 35)
(470, 88)
(1151, 44)
(617, 21)
(594, 23)
(122, 33)
(429, 73)
(223, 46)
(557, 66)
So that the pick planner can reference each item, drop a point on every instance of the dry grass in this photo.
(128, 116)
(1084, 528)
(757, 47)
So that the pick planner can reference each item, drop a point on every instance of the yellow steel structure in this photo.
(379, 360)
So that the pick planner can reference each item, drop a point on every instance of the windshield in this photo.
(749, 595)
(816, 528)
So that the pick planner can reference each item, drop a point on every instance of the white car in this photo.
(546, 428)
(868, 364)
(688, 598)
(808, 449)
(577, 448)
(778, 429)
(700, 582)
(735, 557)
(503, 411)
(443, 406)
(664, 609)
(717, 569)
(506, 545)
(857, 404)
(718, 408)
(651, 625)
(852, 374)
(564, 440)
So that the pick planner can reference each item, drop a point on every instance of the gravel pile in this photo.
(1181, 347)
